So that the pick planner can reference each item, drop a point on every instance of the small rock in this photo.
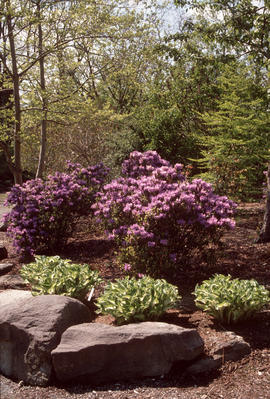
(229, 348)
(204, 366)
(232, 348)
(12, 282)
(3, 252)
(3, 226)
(5, 268)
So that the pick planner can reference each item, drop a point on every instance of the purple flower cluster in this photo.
(43, 211)
(159, 217)
(144, 163)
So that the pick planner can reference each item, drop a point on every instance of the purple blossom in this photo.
(158, 208)
(43, 210)
(173, 257)
(164, 242)
(180, 221)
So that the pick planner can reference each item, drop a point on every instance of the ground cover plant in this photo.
(53, 275)
(230, 300)
(43, 211)
(159, 219)
(241, 258)
(134, 300)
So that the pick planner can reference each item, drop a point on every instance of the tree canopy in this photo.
(92, 81)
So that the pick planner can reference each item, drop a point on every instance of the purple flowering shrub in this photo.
(158, 219)
(140, 164)
(44, 211)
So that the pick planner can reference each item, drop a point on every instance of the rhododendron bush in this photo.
(43, 211)
(160, 220)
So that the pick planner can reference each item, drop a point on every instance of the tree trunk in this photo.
(264, 235)
(17, 105)
(43, 129)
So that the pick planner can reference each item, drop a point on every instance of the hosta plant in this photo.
(131, 300)
(230, 300)
(53, 275)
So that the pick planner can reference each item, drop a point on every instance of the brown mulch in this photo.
(240, 257)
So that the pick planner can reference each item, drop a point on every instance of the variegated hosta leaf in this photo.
(129, 299)
(230, 300)
(53, 275)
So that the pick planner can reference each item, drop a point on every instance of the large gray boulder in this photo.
(30, 329)
(9, 297)
(97, 353)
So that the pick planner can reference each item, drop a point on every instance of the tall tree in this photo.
(233, 25)
(93, 83)
(8, 40)
(243, 28)
(238, 139)
(37, 33)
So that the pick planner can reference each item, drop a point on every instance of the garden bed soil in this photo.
(240, 257)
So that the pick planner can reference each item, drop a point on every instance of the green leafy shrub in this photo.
(53, 275)
(131, 300)
(230, 300)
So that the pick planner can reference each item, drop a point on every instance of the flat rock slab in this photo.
(97, 353)
(12, 282)
(9, 297)
(5, 268)
(30, 329)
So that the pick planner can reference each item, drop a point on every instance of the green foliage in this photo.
(53, 275)
(119, 146)
(236, 135)
(163, 129)
(237, 144)
(236, 26)
(168, 120)
(78, 64)
(230, 300)
(131, 300)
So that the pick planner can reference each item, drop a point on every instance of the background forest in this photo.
(92, 81)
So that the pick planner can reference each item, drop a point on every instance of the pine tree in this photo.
(237, 146)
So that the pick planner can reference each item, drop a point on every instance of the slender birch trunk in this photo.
(17, 172)
(43, 128)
